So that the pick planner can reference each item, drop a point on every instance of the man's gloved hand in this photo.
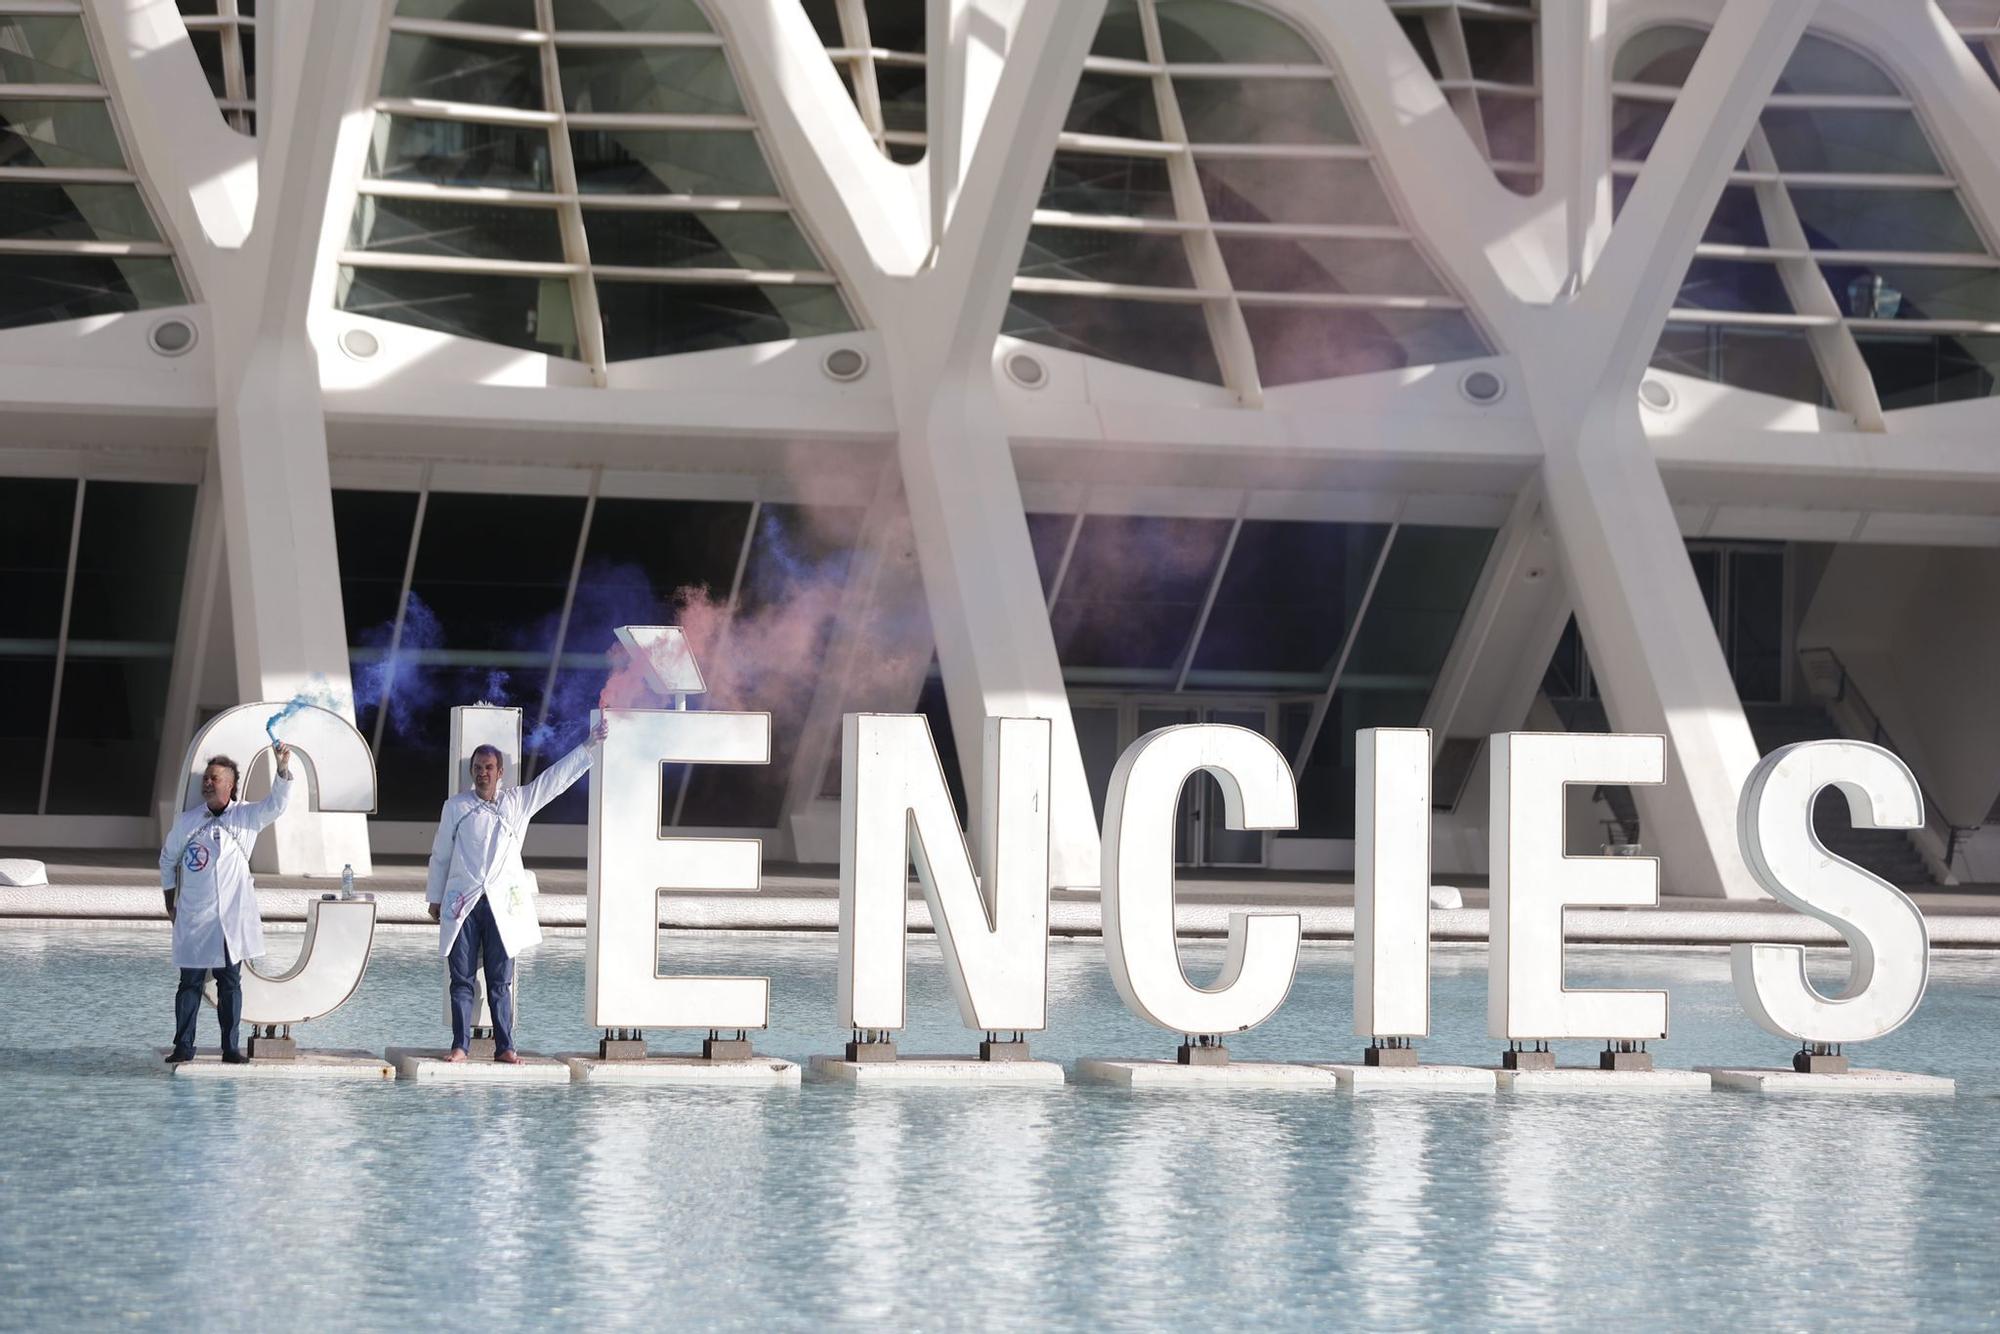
(434, 911)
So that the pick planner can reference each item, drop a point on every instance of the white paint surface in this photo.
(630, 863)
(992, 929)
(1885, 932)
(1392, 882)
(1138, 879)
(1533, 881)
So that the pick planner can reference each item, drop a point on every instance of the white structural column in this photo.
(930, 252)
(1651, 641)
(284, 572)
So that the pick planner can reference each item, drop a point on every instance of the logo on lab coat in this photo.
(197, 857)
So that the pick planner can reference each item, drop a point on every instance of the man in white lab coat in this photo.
(205, 874)
(481, 896)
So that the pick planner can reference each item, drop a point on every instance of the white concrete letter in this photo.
(630, 863)
(1138, 879)
(1392, 882)
(1533, 882)
(994, 929)
(340, 776)
(1883, 928)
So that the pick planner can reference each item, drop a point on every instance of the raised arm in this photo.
(272, 806)
(555, 780)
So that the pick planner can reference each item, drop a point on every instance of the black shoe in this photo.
(235, 1058)
(179, 1056)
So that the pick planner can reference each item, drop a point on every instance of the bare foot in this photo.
(507, 1058)
(457, 1057)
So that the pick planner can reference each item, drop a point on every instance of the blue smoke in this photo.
(400, 680)
(315, 693)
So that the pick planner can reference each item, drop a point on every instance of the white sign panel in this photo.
(1533, 881)
(1884, 930)
(1392, 882)
(992, 927)
(1138, 879)
(630, 863)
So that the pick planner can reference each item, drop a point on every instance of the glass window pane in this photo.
(371, 532)
(1769, 361)
(494, 13)
(1213, 32)
(58, 134)
(1513, 127)
(1296, 344)
(1757, 624)
(1135, 587)
(1425, 586)
(825, 16)
(1501, 50)
(124, 613)
(652, 80)
(1263, 111)
(1915, 370)
(1635, 128)
(1738, 219)
(1822, 66)
(1419, 34)
(698, 240)
(1909, 292)
(1159, 336)
(1279, 190)
(1130, 187)
(629, 16)
(468, 231)
(903, 90)
(1114, 104)
(27, 685)
(34, 562)
(671, 162)
(529, 313)
(1119, 34)
(448, 69)
(1663, 55)
(1093, 255)
(1275, 264)
(1717, 284)
(494, 569)
(1326, 785)
(1838, 139)
(659, 319)
(69, 212)
(1049, 534)
(41, 289)
(208, 50)
(1843, 219)
(50, 49)
(447, 152)
(1286, 600)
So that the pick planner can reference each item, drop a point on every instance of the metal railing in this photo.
(1826, 676)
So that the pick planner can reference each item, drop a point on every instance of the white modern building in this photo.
(1301, 364)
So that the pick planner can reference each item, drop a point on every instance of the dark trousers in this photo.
(228, 1003)
(479, 943)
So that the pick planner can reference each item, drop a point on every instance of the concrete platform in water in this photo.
(682, 1071)
(1236, 1074)
(427, 1065)
(916, 1070)
(1855, 1083)
(357, 1066)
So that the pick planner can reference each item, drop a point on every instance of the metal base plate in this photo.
(865, 1053)
(1187, 1054)
(1386, 1058)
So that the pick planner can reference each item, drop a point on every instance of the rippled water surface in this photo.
(127, 1197)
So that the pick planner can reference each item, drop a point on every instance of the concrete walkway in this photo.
(123, 887)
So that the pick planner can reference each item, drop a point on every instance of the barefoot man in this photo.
(205, 873)
(481, 896)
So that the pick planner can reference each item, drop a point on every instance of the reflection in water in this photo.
(1392, 1220)
(133, 1198)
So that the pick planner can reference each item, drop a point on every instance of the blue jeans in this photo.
(479, 942)
(228, 1003)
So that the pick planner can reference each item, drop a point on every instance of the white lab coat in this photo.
(477, 854)
(207, 857)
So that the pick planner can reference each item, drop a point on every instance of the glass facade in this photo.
(582, 180)
(90, 575)
(879, 48)
(1212, 212)
(1842, 239)
(1486, 60)
(76, 235)
(224, 36)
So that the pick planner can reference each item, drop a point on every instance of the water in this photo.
(129, 1198)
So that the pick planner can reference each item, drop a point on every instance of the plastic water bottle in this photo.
(347, 881)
